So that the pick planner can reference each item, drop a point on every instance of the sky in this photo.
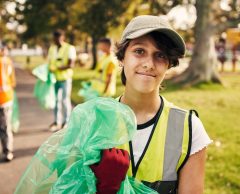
(184, 17)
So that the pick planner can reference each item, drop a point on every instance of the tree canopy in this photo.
(97, 18)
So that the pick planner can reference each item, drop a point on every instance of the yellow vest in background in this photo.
(59, 57)
(99, 84)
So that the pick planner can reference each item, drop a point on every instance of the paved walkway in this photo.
(33, 132)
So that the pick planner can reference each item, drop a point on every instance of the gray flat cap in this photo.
(145, 24)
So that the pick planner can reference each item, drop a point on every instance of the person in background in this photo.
(7, 85)
(234, 57)
(106, 67)
(61, 58)
(168, 151)
(221, 52)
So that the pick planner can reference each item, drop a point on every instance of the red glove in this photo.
(111, 170)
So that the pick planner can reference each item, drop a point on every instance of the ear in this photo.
(120, 64)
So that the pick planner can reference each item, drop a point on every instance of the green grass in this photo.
(218, 107)
(33, 62)
(83, 75)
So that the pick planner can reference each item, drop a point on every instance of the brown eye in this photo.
(161, 56)
(139, 51)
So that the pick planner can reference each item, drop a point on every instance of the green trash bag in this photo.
(45, 94)
(87, 92)
(15, 114)
(42, 73)
(44, 88)
(61, 165)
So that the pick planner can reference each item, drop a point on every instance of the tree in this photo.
(3, 18)
(76, 16)
(211, 19)
(7, 36)
(54, 14)
(97, 18)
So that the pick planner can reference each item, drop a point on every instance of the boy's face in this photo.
(145, 65)
(104, 47)
(58, 39)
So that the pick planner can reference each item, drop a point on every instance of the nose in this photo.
(148, 64)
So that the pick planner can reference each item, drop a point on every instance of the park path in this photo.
(34, 123)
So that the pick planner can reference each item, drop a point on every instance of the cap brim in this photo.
(174, 36)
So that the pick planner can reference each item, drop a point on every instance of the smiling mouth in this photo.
(145, 74)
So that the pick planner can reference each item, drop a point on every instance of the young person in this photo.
(7, 85)
(168, 151)
(221, 52)
(61, 57)
(106, 67)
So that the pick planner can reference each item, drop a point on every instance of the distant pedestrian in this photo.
(7, 85)
(61, 57)
(106, 67)
(221, 52)
(234, 57)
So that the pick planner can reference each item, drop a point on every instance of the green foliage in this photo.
(100, 15)
(5, 17)
(75, 16)
(41, 17)
(92, 17)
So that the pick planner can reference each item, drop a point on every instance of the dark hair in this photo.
(58, 33)
(222, 40)
(163, 42)
(3, 46)
(105, 40)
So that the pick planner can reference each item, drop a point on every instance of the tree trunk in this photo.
(86, 45)
(94, 51)
(71, 38)
(203, 64)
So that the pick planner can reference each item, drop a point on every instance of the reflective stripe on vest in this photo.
(167, 147)
(58, 57)
(177, 140)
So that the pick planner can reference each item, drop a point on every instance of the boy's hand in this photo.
(111, 170)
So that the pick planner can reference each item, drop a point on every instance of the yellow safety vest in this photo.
(166, 151)
(57, 58)
(99, 83)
